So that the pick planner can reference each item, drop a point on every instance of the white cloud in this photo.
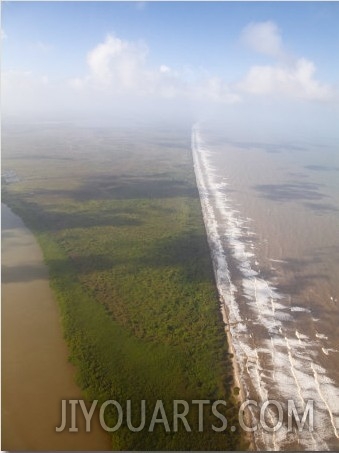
(294, 81)
(3, 34)
(119, 75)
(117, 62)
(120, 66)
(164, 69)
(263, 37)
(289, 76)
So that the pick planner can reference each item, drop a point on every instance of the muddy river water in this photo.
(36, 374)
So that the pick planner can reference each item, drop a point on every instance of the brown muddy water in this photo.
(36, 375)
(272, 217)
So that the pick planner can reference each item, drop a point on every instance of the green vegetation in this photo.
(118, 217)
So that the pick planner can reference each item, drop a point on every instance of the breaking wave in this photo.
(273, 360)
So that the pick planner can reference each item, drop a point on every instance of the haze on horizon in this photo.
(252, 65)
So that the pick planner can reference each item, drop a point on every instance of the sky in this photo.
(239, 59)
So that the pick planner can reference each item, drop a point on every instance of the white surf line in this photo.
(210, 224)
(261, 391)
(266, 398)
(335, 430)
(321, 336)
(326, 351)
(272, 358)
(221, 269)
(297, 334)
(255, 297)
(234, 233)
(211, 196)
(292, 369)
(272, 298)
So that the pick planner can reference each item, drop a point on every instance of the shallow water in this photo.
(36, 375)
(272, 216)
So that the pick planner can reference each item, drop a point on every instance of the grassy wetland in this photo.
(117, 215)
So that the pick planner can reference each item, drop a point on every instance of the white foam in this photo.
(319, 383)
(306, 310)
(321, 336)
(283, 361)
(327, 351)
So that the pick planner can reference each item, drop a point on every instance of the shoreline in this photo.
(213, 245)
(274, 354)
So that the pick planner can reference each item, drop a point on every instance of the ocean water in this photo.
(271, 211)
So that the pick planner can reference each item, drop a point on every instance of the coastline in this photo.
(36, 373)
(215, 247)
(275, 351)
